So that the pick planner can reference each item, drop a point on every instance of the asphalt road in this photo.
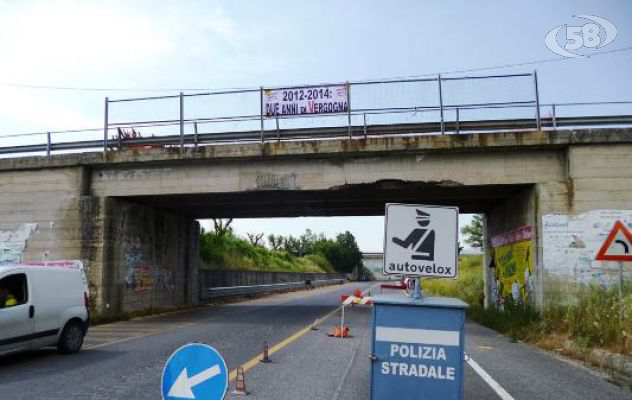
(125, 360)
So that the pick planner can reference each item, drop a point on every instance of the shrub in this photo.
(598, 317)
(227, 251)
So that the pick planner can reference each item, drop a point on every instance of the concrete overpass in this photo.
(130, 215)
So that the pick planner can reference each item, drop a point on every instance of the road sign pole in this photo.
(417, 289)
(620, 291)
(342, 323)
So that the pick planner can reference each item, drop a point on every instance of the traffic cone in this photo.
(266, 358)
(334, 331)
(240, 382)
(338, 331)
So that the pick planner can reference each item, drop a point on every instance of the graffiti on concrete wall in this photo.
(570, 244)
(132, 256)
(139, 276)
(152, 278)
(514, 266)
(268, 180)
(133, 174)
(13, 242)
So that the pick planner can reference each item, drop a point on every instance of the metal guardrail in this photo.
(358, 132)
(237, 291)
(373, 108)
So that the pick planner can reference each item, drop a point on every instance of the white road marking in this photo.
(502, 393)
(418, 336)
(363, 293)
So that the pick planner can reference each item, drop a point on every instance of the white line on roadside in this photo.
(502, 393)
(363, 293)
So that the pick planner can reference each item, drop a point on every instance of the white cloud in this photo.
(114, 44)
(60, 42)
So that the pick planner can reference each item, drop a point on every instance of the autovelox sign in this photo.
(421, 240)
(330, 99)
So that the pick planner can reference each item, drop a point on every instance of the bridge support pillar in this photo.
(149, 258)
(511, 241)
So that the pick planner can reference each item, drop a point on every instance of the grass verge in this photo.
(597, 319)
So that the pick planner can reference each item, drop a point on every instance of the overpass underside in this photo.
(130, 216)
(348, 200)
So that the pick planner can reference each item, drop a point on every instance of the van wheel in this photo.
(71, 338)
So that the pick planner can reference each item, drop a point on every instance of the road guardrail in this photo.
(237, 291)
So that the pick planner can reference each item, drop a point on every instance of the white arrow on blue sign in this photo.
(195, 371)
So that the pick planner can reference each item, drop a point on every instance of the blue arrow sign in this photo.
(195, 371)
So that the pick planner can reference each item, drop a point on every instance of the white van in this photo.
(43, 304)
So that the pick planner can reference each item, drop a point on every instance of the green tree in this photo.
(343, 253)
(222, 226)
(276, 241)
(474, 232)
(304, 244)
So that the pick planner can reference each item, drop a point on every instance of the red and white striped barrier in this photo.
(357, 300)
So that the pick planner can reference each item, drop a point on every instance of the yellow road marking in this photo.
(255, 360)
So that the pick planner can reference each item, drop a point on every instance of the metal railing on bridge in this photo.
(239, 291)
(420, 106)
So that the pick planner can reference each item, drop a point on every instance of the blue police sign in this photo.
(417, 348)
(195, 371)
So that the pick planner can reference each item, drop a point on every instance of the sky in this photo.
(123, 47)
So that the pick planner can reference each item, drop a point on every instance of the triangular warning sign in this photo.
(618, 245)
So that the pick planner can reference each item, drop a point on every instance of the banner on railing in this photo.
(329, 99)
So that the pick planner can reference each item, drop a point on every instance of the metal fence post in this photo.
(278, 131)
(181, 122)
(553, 116)
(441, 104)
(105, 126)
(538, 121)
(195, 134)
(349, 109)
(457, 121)
(48, 144)
(261, 112)
(364, 117)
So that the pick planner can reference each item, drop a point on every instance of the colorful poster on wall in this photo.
(570, 244)
(513, 254)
